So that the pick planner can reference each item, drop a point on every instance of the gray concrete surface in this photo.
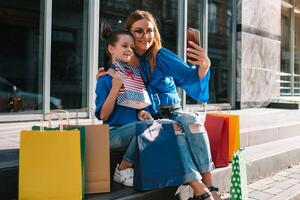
(284, 185)
(271, 138)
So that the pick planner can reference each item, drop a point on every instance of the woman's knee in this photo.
(187, 118)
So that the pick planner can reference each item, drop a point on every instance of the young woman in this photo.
(123, 126)
(162, 72)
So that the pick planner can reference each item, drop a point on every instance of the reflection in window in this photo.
(20, 56)
(195, 18)
(68, 53)
(297, 52)
(195, 15)
(165, 13)
(220, 50)
(212, 17)
(285, 75)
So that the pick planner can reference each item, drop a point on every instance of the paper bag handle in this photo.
(90, 110)
(219, 108)
(43, 118)
(58, 111)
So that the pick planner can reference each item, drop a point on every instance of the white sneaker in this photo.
(124, 177)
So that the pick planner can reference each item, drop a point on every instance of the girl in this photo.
(122, 120)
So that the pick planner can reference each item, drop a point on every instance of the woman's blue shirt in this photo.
(170, 72)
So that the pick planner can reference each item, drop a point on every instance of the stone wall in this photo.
(258, 52)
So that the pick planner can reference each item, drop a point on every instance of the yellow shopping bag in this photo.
(50, 165)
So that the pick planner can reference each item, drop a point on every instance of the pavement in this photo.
(284, 185)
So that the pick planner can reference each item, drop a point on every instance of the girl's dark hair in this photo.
(111, 37)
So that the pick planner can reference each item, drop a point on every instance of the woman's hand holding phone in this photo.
(195, 54)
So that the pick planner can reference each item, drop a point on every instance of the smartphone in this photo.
(194, 36)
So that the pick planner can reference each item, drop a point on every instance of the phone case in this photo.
(194, 36)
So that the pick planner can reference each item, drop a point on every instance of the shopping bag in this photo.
(158, 162)
(238, 188)
(61, 127)
(133, 93)
(234, 133)
(97, 168)
(50, 165)
(82, 149)
(217, 128)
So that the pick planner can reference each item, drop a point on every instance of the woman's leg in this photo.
(200, 190)
(197, 140)
(199, 145)
(191, 174)
(207, 180)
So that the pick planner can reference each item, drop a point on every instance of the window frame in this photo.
(93, 8)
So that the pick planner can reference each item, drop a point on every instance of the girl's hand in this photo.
(117, 82)
(198, 55)
(100, 72)
(144, 115)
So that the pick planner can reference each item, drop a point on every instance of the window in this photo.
(195, 20)
(212, 17)
(20, 56)
(290, 48)
(285, 75)
(68, 53)
(165, 13)
(297, 51)
(220, 50)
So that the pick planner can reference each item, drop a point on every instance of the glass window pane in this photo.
(21, 40)
(297, 52)
(220, 50)
(68, 53)
(165, 13)
(195, 20)
(116, 12)
(285, 69)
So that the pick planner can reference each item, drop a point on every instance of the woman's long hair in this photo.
(141, 14)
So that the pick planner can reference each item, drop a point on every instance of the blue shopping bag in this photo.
(158, 162)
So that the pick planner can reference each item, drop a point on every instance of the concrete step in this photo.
(265, 160)
(271, 138)
(9, 172)
(257, 126)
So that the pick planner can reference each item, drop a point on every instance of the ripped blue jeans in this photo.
(193, 143)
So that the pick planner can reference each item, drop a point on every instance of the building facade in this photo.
(50, 49)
